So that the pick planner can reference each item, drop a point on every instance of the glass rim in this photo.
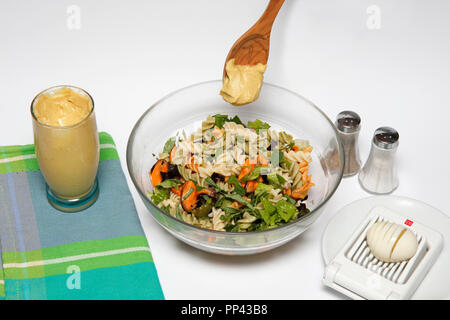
(216, 232)
(55, 88)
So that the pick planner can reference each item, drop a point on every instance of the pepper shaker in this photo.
(379, 174)
(348, 124)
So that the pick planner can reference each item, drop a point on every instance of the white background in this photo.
(128, 54)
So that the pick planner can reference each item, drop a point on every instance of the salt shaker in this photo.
(379, 173)
(348, 124)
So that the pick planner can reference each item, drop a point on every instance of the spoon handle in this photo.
(253, 46)
(264, 25)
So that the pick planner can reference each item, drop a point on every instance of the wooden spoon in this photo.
(253, 46)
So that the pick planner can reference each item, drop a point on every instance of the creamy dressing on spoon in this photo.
(242, 83)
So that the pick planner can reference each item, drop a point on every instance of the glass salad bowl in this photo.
(284, 110)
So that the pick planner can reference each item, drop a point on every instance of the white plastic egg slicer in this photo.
(355, 272)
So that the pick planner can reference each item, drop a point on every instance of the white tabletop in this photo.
(386, 60)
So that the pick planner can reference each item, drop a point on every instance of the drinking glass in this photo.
(68, 157)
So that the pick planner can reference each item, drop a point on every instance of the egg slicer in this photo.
(355, 272)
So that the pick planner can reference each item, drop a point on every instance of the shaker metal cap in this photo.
(386, 138)
(348, 121)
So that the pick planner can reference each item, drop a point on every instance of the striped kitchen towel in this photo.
(98, 253)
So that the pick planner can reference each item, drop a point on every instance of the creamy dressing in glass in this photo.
(66, 140)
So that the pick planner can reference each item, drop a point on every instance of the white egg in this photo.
(391, 242)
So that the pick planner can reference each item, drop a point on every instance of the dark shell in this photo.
(217, 177)
(162, 161)
(264, 177)
(173, 171)
(301, 207)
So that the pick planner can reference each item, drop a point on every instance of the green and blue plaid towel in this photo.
(98, 253)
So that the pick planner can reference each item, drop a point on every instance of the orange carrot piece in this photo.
(172, 153)
(303, 164)
(247, 168)
(177, 191)
(244, 172)
(251, 186)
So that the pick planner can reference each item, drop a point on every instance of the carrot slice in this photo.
(300, 193)
(244, 171)
(177, 191)
(247, 168)
(251, 186)
(303, 164)
(172, 153)
(295, 148)
(304, 169)
(309, 149)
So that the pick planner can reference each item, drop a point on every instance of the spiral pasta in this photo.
(227, 187)
(173, 201)
(188, 174)
(221, 177)
(217, 223)
(295, 174)
(281, 138)
(275, 195)
(208, 123)
(164, 155)
(285, 174)
(246, 221)
(285, 138)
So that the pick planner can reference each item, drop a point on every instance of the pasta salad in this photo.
(231, 176)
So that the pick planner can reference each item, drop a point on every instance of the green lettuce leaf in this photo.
(220, 120)
(261, 188)
(169, 145)
(267, 212)
(258, 125)
(237, 185)
(169, 183)
(159, 195)
(286, 210)
(236, 119)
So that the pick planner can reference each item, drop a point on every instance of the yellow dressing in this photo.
(63, 107)
(66, 141)
(242, 83)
